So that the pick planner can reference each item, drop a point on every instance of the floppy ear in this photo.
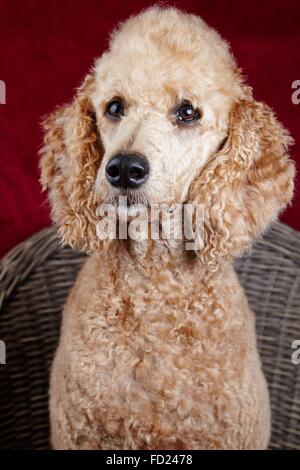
(246, 184)
(70, 159)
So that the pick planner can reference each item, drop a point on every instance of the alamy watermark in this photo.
(296, 353)
(296, 93)
(2, 92)
(139, 222)
(2, 352)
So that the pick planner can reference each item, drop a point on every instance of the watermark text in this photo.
(296, 93)
(2, 352)
(296, 353)
(157, 221)
(2, 92)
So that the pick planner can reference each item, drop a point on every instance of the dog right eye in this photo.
(186, 113)
(115, 109)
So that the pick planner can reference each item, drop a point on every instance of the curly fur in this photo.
(157, 347)
(69, 167)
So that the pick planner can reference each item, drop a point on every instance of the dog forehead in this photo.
(139, 77)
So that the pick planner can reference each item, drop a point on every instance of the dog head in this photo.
(166, 117)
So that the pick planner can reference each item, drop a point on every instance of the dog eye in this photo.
(186, 113)
(115, 109)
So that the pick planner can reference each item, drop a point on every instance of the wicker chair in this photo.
(35, 280)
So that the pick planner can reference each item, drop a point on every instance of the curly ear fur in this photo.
(70, 159)
(246, 184)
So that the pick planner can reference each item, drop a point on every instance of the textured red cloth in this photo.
(46, 47)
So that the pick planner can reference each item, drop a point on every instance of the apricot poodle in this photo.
(157, 347)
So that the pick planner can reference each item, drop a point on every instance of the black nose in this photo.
(127, 170)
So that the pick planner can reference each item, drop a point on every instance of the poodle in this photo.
(157, 347)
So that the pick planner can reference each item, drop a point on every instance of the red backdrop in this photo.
(46, 47)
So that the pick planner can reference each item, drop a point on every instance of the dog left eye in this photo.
(115, 109)
(186, 113)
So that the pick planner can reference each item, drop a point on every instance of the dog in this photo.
(157, 347)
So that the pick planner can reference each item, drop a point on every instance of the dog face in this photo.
(165, 117)
(172, 87)
(149, 106)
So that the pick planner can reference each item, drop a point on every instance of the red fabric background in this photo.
(46, 47)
